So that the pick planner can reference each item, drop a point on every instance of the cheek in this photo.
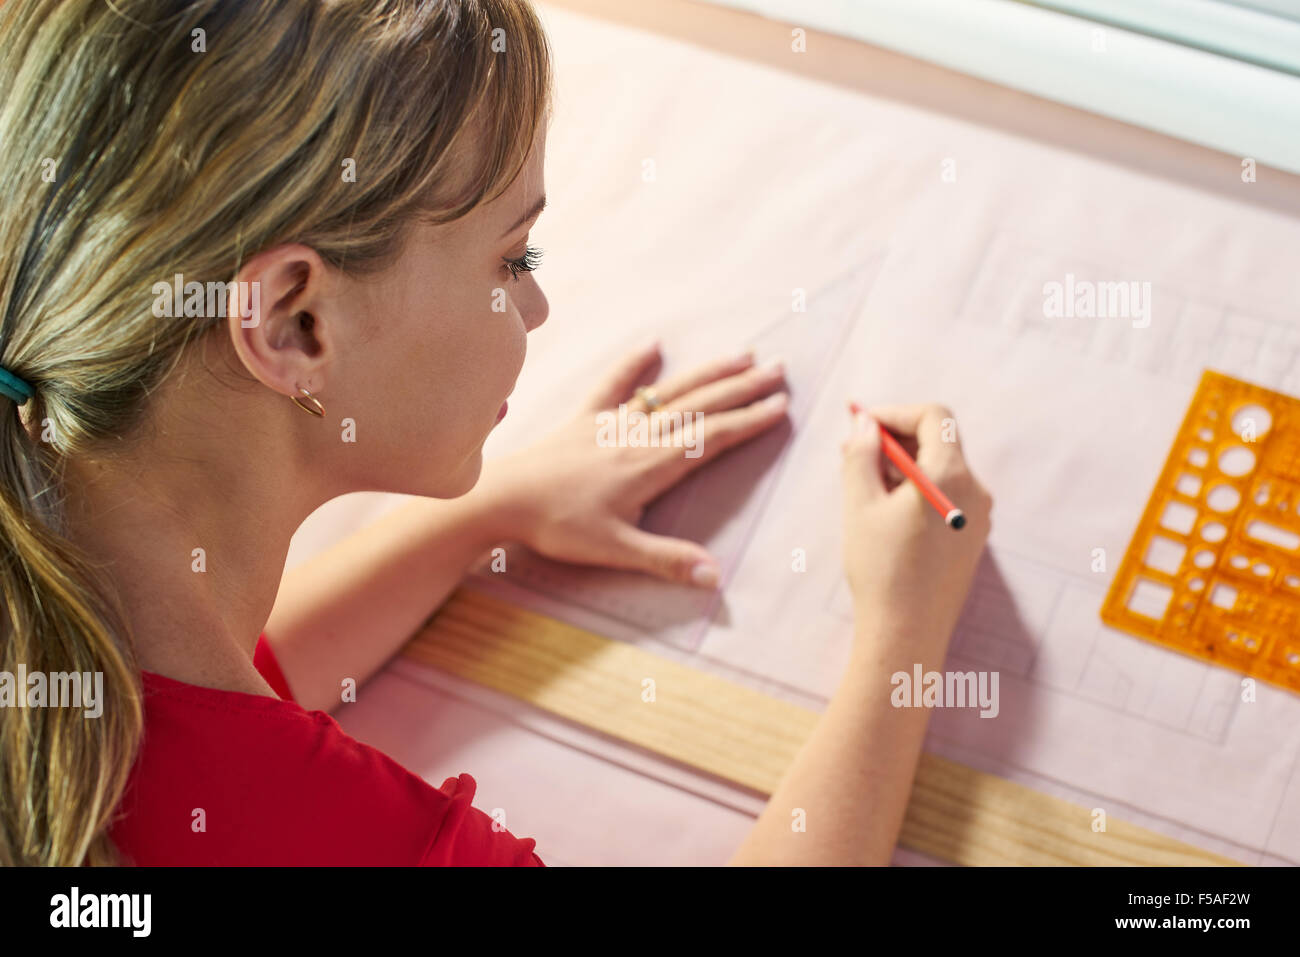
(499, 339)
(466, 356)
(479, 354)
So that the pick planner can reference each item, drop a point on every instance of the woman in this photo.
(365, 172)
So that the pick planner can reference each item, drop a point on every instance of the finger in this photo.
(932, 427)
(907, 420)
(626, 375)
(676, 386)
(708, 436)
(672, 559)
(860, 464)
(732, 390)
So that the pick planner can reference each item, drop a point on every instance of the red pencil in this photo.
(952, 515)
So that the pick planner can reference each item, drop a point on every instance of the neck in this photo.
(195, 546)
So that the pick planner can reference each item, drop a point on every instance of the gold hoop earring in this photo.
(319, 411)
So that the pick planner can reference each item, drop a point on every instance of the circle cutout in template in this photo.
(1237, 460)
(1251, 421)
(1223, 498)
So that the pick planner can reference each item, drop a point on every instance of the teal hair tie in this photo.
(14, 387)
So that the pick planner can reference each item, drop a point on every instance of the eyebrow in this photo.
(531, 214)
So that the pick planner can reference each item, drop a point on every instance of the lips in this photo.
(502, 414)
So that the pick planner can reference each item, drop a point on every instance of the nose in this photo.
(536, 309)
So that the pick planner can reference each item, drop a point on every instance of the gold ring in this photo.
(649, 396)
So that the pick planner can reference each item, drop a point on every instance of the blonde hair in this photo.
(182, 137)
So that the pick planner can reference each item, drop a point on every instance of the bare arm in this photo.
(345, 612)
(854, 775)
(909, 575)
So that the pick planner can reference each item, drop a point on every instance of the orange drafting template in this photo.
(1213, 569)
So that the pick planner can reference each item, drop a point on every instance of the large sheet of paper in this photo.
(692, 194)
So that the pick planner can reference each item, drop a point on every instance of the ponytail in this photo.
(62, 772)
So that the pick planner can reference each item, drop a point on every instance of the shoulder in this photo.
(229, 778)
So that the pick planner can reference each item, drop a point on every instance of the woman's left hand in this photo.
(571, 498)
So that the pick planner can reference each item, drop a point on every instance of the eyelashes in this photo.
(530, 260)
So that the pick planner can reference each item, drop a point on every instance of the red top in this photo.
(227, 778)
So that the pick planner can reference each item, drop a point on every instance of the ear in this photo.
(281, 320)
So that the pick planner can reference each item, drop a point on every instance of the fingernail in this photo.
(777, 400)
(772, 367)
(705, 574)
(746, 356)
(651, 348)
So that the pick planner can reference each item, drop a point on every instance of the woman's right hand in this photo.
(908, 572)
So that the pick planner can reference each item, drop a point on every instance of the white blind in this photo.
(1241, 30)
(1222, 74)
